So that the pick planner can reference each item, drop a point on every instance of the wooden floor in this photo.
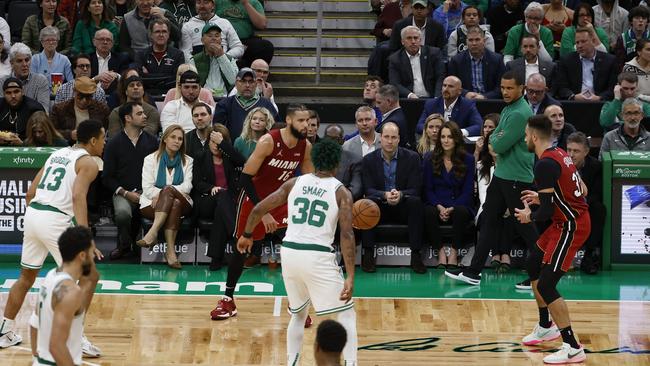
(176, 330)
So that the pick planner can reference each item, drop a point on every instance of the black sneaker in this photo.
(524, 285)
(467, 277)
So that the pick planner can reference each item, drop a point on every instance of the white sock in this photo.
(295, 333)
(7, 325)
(348, 319)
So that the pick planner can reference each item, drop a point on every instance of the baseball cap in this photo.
(421, 2)
(12, 83)
(245, 71)
(189, 76)
(210, 26)
(84, 84)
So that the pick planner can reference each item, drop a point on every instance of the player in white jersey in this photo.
(57, 321)
(56, 200)
(309, 268)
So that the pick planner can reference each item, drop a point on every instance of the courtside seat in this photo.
(399, 234)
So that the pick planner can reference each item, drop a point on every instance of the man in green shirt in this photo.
(611, 113)
(534, 14)
(246, 16)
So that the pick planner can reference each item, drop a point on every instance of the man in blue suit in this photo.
(478, 68)
(454, 107)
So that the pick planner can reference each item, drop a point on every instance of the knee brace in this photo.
(534, 263)
(547, 284)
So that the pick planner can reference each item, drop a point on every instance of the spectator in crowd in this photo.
(68, 10)
(215, 181)
(370, 88)
(205, 95)
(35, 86)
(503, 17)
(349, 169)
(136, 29)
(557, 16)
(365, 141)
(587, 75)
(48, 16)
(122, 175)
(118, 8)
(560, 130)
(196, 139)
(392, 178)
(166, 186)
(217, 70)
(329, 343)
(458, 39)
(640, 66)
(625, 49)
(5, 33)
(533, 15)
(612, 18)
(387, 100)
(81, 66)
(478, 69)
(264, 88)
(191, 41)
(530, 63)
(15, 110)
(312, 127)
(537, 94)
(416, 70)
(611, 113)
(583, 17)
(183, 10)
(453, 107)
(449, 15)
(591, 173)
(134, 92)
(246, 17)
(49, 62)
(389, 15)
(106, 64)
(257, 123)
(430, 131)
(5, 65)
(67, 115)
(94, 16)
(631, 136)
(490, 123)
(160, 59)
(448, 175)
(179, 111)
(41, 132)
(232, 111)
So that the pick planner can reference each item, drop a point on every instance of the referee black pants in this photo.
(502, 194)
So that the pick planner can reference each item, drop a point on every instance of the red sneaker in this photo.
(225, 309)
(308, 322)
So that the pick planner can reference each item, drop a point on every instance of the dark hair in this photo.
(126, 109)
(480, 13)
(40, 5)
(157, 20)
(640, 43)
(314, 114)
(511, 75)
(122, 84)
(73, 241)
(583, 30)
(375, 78)
(331, 336)
(326, 154)
(541, 124)
(630, 77)
(485, 158)
(529, 35)
(576, 17)
(638, 11)
(85, 13)
(293, 108)
(218, 127)
(494, 117)
(88, 129)
(201, 104)
(457, 156)
(389, 91)
(475, 30)
(578, 138)
(74, 59)
(4, 53)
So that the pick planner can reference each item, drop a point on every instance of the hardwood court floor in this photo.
(176, 330)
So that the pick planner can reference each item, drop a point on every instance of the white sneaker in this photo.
(541, 334)
(89, 349)
(10, 339)
(566, 354)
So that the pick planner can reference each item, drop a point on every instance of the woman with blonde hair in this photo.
(166, 186)
(430, 133)
(258, 122)
(41, 132)
(205, 95)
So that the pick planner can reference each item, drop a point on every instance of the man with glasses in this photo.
(264, 88)
(537, 94)
(81, 66)
(134, 34)
(160, 59)
(534, 14)
(105, 65)
(631, 136)
(67, 115)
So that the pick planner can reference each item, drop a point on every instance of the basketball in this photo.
(365, 214)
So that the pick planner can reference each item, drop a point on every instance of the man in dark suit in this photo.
(349, 170)
(364, 141)
(387, 100)
(454, 107)
(478, 68)
(586, 75)
(392, 178)
(415, 70)
(537, 94)
(112, 63)
(530, 63)
(434, 34)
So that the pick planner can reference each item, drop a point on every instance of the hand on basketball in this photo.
(530, 197)
(346, 293)
(244, 245)
(523, 215)
(270, 225)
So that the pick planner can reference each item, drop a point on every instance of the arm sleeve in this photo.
(246, 182)
(228, 68)
(608, 113)
(547, 172)
(452, 50)
(508, 133)
(545, 209)
(110, 166)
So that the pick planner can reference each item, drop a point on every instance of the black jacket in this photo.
(434, 34)
(592, 174)
(569, 79)
(203, 178)
(26, 108)
(166, 68)
(118, 62)
(493, 68)
(432, 68)
(408, 177)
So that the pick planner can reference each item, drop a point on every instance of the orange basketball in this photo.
(365, 214)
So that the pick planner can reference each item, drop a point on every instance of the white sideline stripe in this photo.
(277, 306)
(30, 351)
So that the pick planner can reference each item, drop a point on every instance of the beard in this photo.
(85, 268)
(297, 134)
(531, 147)
(633, 125)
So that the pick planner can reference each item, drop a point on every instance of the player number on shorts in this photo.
(55, 179)
(576, 178)
(312, 212)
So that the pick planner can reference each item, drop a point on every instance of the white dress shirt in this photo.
(531, 68)
(418, 81)
(368, 148)
(177, 112)
(102, 63)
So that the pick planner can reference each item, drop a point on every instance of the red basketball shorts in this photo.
(562, 240)
(244, 209)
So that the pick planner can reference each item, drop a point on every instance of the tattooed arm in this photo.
(66, 302)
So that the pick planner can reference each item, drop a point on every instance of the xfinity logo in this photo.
(18, 160)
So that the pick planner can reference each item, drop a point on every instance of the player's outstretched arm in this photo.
(348, 244)
(263, 149)
(31, 192)
(66, 301)
(306, 166)
(86, 173)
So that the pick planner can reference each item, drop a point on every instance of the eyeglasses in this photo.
(534, 18)
(83, 66)
(104, 40)
(85, 96)
(533, 91)
(50, 40)
(260, 71)
(632, 113)
(247, 82)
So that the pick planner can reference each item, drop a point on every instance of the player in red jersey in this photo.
(276, 157)
(561, 198)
